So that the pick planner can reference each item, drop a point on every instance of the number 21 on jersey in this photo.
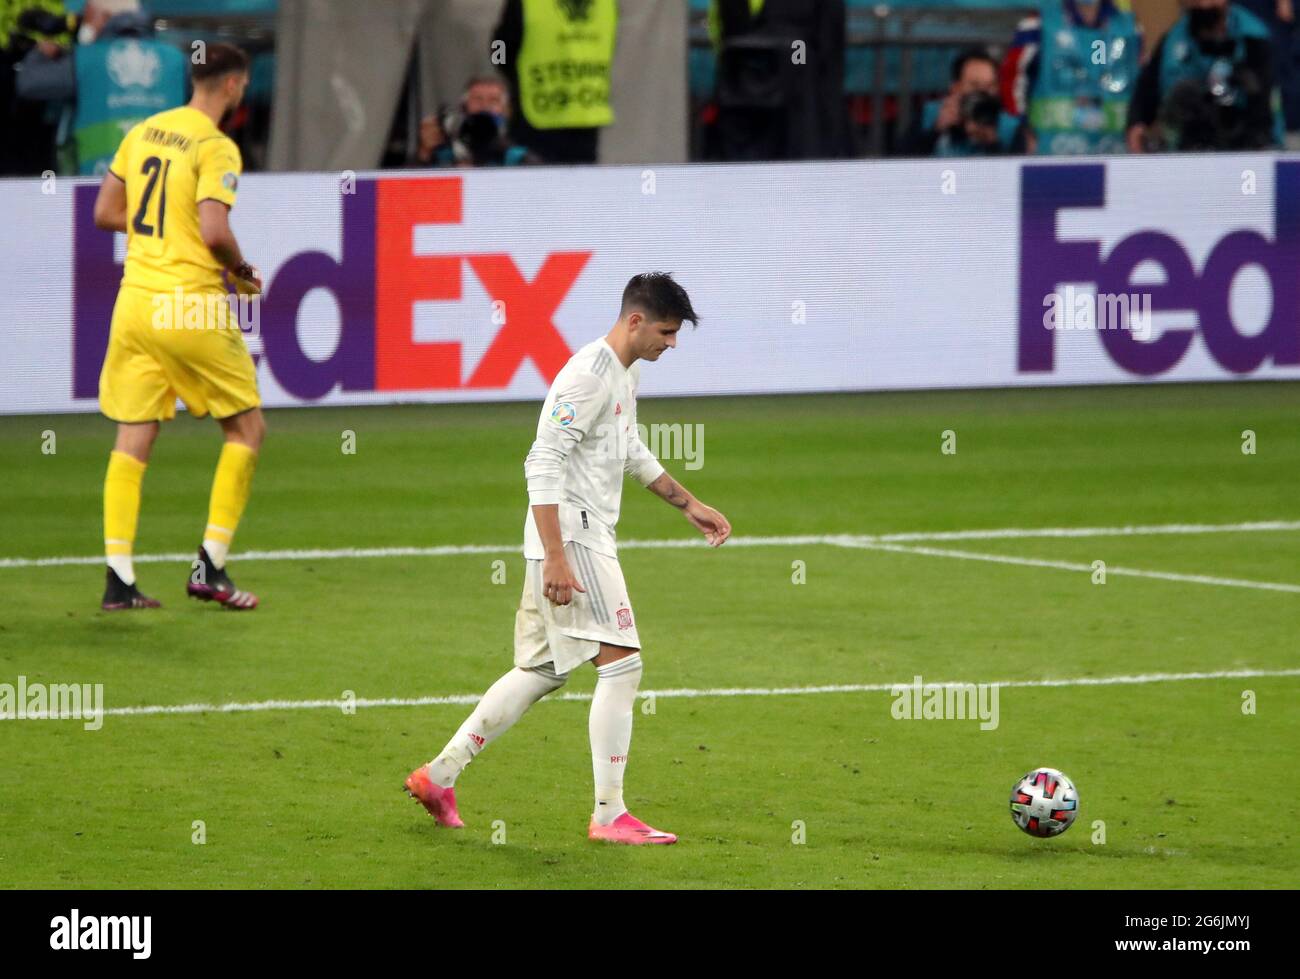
(156, 170)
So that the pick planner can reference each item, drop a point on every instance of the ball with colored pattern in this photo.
(1044, 802)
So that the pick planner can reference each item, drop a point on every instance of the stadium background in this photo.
(816, 277)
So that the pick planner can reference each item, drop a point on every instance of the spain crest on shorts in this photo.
(625, 618)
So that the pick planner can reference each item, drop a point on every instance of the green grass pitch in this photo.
(1193, 791)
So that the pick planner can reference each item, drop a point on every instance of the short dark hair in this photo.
(487, 78)
(967, 55)
(218, 60)
(659, 297)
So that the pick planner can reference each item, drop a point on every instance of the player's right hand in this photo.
(558, 582)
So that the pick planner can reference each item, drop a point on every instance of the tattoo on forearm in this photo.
(671, 491)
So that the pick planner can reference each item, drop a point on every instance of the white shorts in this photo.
(569, 635)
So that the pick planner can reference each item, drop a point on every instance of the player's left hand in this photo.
(247, 280)
(709, 522)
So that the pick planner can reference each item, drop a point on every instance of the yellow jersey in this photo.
(169, 163)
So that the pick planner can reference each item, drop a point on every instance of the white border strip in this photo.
(467, 699)
(841, 540)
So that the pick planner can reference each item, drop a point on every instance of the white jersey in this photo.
(586, 441)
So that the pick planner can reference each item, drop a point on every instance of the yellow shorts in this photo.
(163, 347)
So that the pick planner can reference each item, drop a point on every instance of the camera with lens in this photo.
(475, 137)
(981, 108)
(1228, 110)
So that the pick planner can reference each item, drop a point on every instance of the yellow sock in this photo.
(122, 511)
(230, 489)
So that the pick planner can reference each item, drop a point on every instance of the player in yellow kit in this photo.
(170, 188)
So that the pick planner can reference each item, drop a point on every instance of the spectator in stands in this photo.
(479, 131)
(780, 79)
(1279, 17)
(114, 77)
(559, 55)
(1210, 85)
(969, 120)
(28, 127)
(1071, 71)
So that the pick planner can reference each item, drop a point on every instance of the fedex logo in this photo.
(1046, 261)
(376, 283)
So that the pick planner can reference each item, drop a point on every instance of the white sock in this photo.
(503, 704)
(217, 551)
(123, 567)
(610, 727)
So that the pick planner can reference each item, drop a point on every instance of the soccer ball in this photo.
(1044, 802)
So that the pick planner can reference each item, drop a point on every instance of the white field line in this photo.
(1196, 579)
(467, 699)
(841, 540)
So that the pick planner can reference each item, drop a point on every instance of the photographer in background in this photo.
(969, 120)
(28, 127)
(475, 136)
(1209, 85)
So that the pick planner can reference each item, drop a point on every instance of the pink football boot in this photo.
(628, 829)
(440, 802)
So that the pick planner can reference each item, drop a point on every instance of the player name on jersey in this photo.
(165, 137)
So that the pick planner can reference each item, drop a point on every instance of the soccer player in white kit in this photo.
(575, 605)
